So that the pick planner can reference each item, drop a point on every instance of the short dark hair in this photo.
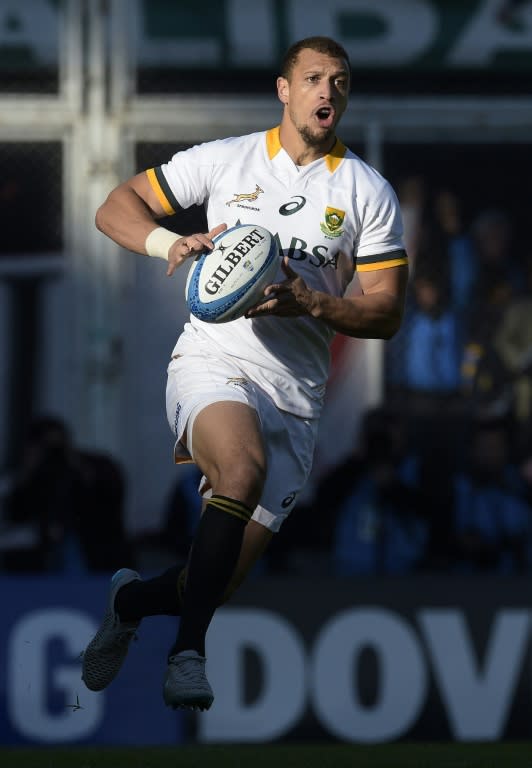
(319, 44)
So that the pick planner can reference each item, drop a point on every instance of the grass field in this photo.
(506, 755)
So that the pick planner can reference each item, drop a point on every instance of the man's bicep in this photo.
(144, 189)
(390, 280)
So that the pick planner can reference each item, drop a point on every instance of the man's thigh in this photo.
(228, 446)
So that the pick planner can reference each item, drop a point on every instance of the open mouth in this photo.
(325, 116)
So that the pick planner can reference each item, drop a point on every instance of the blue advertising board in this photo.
(46, 623)
(436, 658)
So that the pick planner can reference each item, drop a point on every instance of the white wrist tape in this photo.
(159, 242)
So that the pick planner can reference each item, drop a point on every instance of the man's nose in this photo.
(328, 90)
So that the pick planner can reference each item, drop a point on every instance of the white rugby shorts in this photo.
(197, 379)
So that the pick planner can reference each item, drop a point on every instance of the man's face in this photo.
(315, 95)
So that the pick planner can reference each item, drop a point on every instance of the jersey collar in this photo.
(332, 160)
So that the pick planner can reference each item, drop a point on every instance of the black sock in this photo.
(211, 564)
(160, 596)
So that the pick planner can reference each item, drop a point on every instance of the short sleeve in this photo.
(185, 179)
(380, 240)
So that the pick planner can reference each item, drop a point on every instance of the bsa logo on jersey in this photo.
(332, 226)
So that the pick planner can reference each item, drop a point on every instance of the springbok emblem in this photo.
(251, 196)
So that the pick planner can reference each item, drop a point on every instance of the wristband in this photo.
(159, 242)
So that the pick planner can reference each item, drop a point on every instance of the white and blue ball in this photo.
(223, 283)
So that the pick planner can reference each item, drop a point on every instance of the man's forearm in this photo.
(370, 316)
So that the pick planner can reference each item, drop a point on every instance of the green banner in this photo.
(410, 35)
(391, 34)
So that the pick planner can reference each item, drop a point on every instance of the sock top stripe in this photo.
(232, 506)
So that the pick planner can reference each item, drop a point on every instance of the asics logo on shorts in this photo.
(288, 500)
(176, 419)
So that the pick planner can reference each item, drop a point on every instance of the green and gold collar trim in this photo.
(332, 160)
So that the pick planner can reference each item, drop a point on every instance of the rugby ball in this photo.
(223, 283)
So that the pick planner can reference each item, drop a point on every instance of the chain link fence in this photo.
(31, 197)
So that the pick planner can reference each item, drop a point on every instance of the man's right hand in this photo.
(190, 246)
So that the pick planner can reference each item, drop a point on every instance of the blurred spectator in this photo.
(427, 351)
(500, 281)
(71, 500)
(436, 234)
(424, 358)
(491, 515)
(460, 263)
(433, 339)
(500, 276)
(513, 343)
(378, 515)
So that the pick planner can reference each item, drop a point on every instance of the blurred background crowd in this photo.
(440, 473)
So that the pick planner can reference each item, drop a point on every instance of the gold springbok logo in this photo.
(250, 196)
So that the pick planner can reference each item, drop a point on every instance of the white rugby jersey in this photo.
(331, 217)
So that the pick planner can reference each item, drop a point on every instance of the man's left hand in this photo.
(291, 298)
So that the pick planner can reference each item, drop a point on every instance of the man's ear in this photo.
(282, 89)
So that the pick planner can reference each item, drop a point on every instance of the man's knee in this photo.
(240, 477)
(247, 477)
